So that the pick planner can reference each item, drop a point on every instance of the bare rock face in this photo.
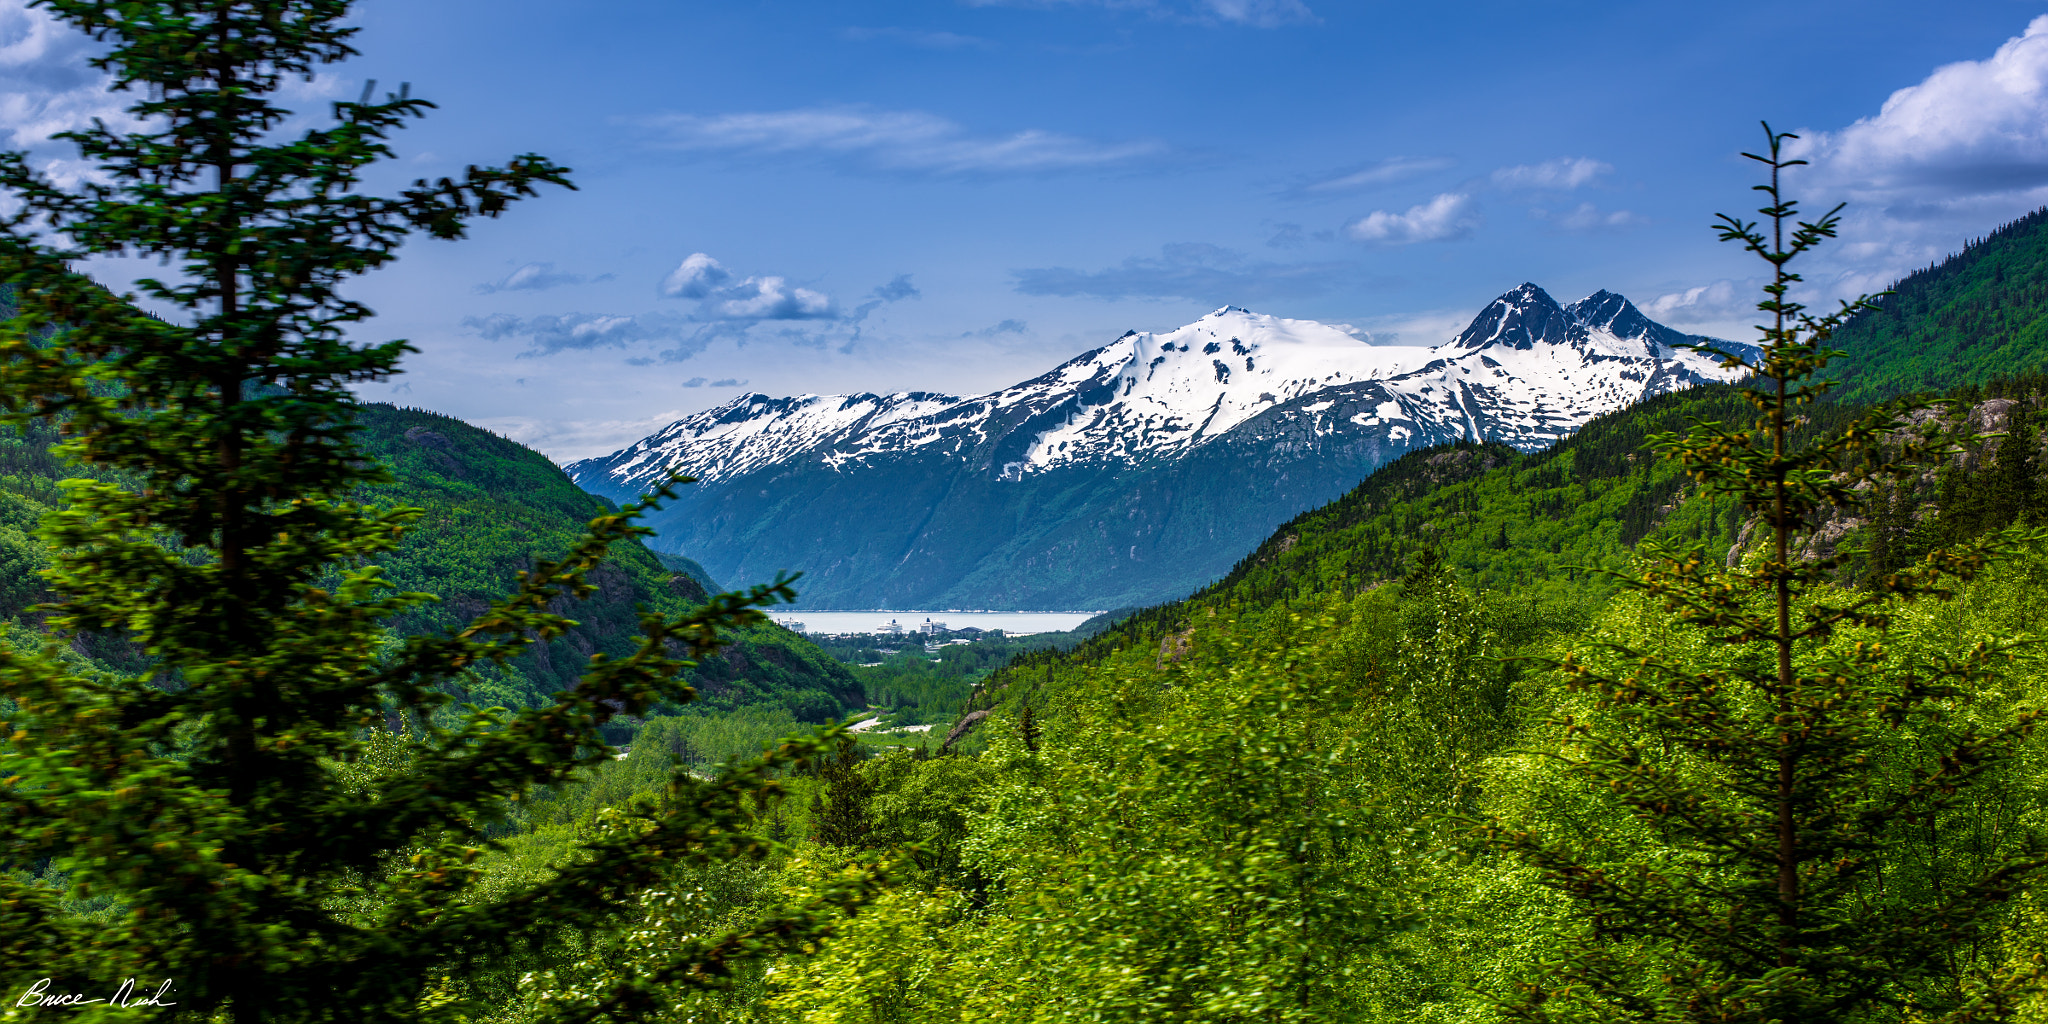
(1174, 647)
(437, 450)
(962, 727)
(1991, 416)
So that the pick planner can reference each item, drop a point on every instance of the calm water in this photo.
(867, 622)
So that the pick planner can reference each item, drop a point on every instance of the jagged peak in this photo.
(1526, 293)
(1520, 318)
(1605, 309)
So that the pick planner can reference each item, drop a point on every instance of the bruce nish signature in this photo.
(125, 996)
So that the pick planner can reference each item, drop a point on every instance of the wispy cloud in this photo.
(1717, 302)
(1449, 216)
(1256, 13)
(534, 277)
(727, 306)
(1190, 270)
(903, 141)
(557, 333)
(1564, 173)
(998, 329)
(566, 440)
(927, 39)
(1393, 170)
(898, 288)
(728, 382)
(1287, 236)
(1587, 217)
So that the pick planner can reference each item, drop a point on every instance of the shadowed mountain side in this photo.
(494, 506)
(921, 533)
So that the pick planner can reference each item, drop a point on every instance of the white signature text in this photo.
(39, 994)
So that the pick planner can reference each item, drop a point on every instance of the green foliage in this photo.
(1775, 768)
(284, 804)
(489, 507)
(1069, 866)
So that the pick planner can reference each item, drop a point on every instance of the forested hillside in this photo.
(1730, 708)
(1258, 803)
(493, 507)
(1981, 313)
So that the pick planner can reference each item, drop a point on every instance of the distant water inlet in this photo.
(881, 621)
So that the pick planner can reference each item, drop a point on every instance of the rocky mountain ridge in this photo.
(1118, 452)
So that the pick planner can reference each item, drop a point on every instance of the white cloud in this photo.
(1563, 173)
(891, 140)
(1451, 215)
(763, 297)
(1429, 327)
(1970, 128)
(1256, 13)
(1942, 161)
(695, 278)
(47, 87)
(769, 298)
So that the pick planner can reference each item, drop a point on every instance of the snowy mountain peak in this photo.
(1605, 311)
(1526, 372)
(1520, 319)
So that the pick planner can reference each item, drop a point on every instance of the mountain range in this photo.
(1133, 472)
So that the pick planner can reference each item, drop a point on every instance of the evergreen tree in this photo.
(256, 857)
(1778, 785)
(839, 806)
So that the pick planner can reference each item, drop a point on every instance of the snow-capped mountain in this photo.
(1235, 389)
(1526, 372)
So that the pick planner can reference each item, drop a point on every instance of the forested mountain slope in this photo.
(1544, 527)
(1307, 791)
(492, 507)
(1258, 803)
(1981, 313)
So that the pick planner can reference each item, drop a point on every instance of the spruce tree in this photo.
(1773, 792)
(224, 801)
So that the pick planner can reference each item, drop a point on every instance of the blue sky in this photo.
(954, 195)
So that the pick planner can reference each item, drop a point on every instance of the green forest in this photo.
(1726, 709)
